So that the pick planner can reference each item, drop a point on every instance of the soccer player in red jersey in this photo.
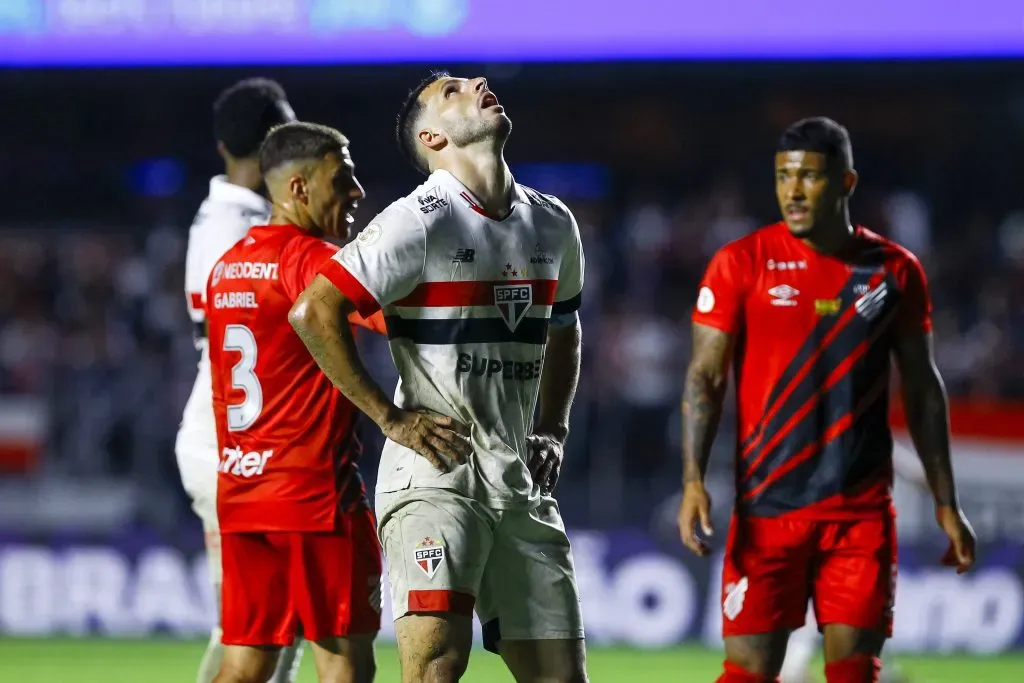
(298, 537)
(810, 311)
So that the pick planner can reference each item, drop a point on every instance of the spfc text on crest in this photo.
(513, 301)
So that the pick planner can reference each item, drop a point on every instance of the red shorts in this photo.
(327, 583)
(774, 566)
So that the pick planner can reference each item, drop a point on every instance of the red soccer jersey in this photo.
(814, 335)
(288, 451)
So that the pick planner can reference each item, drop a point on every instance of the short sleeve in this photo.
(301, 261)
(569, 291)
(915, 312)
(720, 298)
(383, 263)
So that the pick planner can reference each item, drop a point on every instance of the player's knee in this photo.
(755, 656)
(442, 667)
(735, 673)
(855, 669)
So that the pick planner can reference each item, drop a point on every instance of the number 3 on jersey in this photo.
(241, 416)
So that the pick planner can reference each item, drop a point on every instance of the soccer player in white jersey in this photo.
(242, 116)
(479, 279)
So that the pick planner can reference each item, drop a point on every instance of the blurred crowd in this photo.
(95, 323)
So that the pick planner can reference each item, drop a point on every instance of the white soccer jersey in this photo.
(224, 217)
(467, 300)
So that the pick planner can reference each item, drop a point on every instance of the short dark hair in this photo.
(245, 112)
(299, 141)
(408, 115)
(822, 135)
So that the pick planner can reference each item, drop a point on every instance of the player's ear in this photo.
(432, 139)
(850, 179)
(299, 188)
(222, 150)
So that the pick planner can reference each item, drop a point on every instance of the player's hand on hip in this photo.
(962, 541)
(438, 438)
(545, 462)
(695, 509)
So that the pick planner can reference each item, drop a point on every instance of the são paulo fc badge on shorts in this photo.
(429, 554)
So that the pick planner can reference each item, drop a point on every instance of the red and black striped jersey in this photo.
(814, 337)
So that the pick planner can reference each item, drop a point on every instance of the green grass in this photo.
(155, 661)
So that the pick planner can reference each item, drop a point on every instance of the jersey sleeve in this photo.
(915, 312)
(569, 291)
(383, 263)
(722, 290)
(301, 261)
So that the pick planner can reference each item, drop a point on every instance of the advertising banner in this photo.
(205, 32)
(634, 593)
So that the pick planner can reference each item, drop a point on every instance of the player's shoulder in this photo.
(893, 253)
(431, 202)
(298, 243)
(228, 206)
(759, 241)
(546, 204)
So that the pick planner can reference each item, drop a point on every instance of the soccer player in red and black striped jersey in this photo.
(810, 312)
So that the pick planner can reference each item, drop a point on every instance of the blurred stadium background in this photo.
(655, 122)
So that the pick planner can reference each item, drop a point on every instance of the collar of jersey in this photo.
(223, 191)
(445, 178)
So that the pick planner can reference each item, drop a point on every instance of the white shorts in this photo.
(197, 465)
(449, 553)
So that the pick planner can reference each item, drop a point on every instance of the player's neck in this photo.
(486, 176)
(833, 235)
(244, 173)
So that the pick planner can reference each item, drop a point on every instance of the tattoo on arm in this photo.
(927, 409)
(320, 318)
(703, 394)
(558, 380)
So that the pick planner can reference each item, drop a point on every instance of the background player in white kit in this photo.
(479, 279)
(242, 116)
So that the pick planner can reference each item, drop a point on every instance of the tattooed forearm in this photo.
(927, 409)
(320, 318)
(703, 395)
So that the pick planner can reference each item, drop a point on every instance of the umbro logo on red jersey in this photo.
(783, 295)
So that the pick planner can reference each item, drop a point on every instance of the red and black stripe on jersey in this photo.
(825, 427)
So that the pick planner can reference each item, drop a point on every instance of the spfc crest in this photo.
(513, 301)
(429, 554)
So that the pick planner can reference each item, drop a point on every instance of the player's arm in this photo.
(707, 379)
(380, 266)
(716, 320)
(927, 411)
(561, 371)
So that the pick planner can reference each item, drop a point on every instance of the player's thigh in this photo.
(345, 659)
(434, 647)
(855, 584)
(257, 608)
(247, 664)
(546, 661)
(436, 544)
(529, 590)
(336, 578)
(766, 575)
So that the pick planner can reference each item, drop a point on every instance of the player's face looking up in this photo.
(807, 189)
(330, 192)
(461, 112)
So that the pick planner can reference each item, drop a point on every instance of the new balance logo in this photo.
(872, 303)
(464, 256)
